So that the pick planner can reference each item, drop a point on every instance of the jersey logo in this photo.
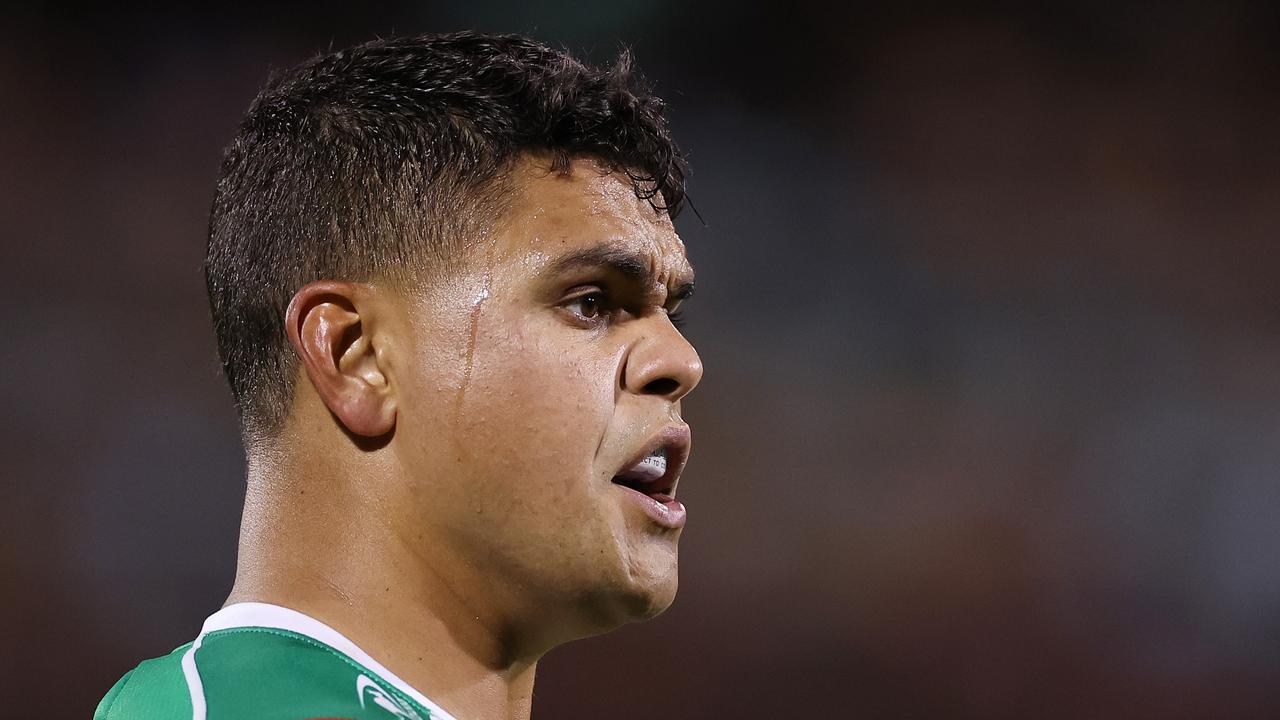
(366, 688)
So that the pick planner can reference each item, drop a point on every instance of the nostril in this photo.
(662, 386)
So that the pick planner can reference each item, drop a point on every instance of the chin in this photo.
(653, 602)
(647, 591)
(633, 597)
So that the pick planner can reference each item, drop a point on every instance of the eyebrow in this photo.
(631, 265)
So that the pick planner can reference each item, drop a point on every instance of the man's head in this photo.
(445, 266)
(386, 160)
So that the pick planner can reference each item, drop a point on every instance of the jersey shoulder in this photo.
(256, 672)
(155, 690)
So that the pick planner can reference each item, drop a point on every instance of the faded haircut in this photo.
(381, 162)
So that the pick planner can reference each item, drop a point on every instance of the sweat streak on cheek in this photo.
(477, 309)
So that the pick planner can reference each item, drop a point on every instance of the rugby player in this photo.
(445, 285)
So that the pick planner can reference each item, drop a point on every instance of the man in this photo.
(444, 281)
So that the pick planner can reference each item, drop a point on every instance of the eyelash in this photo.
(602, 303)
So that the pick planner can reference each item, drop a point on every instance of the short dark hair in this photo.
(380, 160)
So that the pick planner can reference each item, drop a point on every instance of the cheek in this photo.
(537, 408)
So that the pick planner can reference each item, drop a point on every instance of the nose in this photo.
(662, 363)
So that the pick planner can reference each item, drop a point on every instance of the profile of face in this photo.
(538, 426)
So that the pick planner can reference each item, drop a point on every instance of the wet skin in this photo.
(443, 492)
(532, 378)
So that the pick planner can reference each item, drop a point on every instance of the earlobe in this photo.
(336, 348)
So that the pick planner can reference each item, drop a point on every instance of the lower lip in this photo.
(670, 514)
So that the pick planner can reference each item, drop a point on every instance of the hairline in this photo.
(493, 201)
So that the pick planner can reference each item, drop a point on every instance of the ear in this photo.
(336, 347)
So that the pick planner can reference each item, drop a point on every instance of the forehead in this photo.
(552, 214)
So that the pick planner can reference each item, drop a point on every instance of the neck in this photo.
(299, 551)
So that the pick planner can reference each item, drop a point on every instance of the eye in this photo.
(587, 307)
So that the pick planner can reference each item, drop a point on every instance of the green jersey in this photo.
(254, 661)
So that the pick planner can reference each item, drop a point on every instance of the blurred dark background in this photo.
(988, 302)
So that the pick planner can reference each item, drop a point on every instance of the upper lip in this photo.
(675, 440)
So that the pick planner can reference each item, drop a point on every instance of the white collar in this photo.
(256, 614)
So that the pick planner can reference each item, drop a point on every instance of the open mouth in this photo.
(649, 477)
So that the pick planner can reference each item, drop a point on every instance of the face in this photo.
(537, 382)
